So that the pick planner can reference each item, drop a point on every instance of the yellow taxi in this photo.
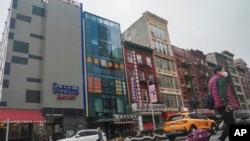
(185, 123)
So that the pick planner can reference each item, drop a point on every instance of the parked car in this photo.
(185, 123)
(85, 135)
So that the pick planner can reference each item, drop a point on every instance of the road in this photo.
(212, 138)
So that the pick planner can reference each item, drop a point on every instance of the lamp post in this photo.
(152, 110)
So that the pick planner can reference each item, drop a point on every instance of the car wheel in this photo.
(171, 137)
(192, 129)
(213, 129)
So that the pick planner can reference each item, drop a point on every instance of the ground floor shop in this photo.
(120, 125)
(20, 125)
(40, 125)
(62, 122)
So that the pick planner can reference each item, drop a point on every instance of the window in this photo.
(22, 47)
(6, 83)
(35, 57)
(139, 59)
(12, 23)
(14, 4)
(151, 77)
(38, 11)
(36, 36)
(141, 76)
(19, 60)
(32, 96)
(36, 80)
(23, 18)
(7, 68)
(131, 73)
(120, 106)
(11, 35)
(144, 95)
(130, 57)
(148, 59)
(3, 103)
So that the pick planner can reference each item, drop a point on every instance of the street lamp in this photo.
(151, 101)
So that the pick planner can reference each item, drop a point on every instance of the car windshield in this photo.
(176, 117)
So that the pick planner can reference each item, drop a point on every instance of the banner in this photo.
(152, 93)
(133, 88)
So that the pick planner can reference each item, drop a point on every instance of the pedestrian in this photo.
(224, 99)
(100, 137)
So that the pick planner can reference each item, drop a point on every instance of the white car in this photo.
(85, 135)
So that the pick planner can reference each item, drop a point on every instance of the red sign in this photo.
(63, 96)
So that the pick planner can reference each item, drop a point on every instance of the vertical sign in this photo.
(152, 93)
(133, 89)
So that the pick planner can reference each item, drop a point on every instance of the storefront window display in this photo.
(18, 131)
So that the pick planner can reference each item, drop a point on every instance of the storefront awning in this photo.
(21, 116)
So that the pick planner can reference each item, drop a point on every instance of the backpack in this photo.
(209, 101)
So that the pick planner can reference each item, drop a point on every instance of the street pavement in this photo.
(212, 138)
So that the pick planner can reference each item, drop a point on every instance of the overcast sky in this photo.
(206, 25)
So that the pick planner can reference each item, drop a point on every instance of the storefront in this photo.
(149, 115)
(121, 125)
(23, 125)
(62, 122)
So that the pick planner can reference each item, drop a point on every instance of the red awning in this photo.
(21, 116)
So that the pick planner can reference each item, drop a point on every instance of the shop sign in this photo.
(146, 107)
(53, 115)
(124, 116)
(65, 91)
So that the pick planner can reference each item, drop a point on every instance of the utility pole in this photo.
(152, 109)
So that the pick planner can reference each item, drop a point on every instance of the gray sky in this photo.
(207, 25)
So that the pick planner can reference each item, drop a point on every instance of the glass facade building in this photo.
(105, 72)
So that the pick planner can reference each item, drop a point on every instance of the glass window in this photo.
(151, 77)
(32, 96)
(14, 4)
(12, 23)
(144, 95)
(141, 76)
(11, 35)
(98, 105)
(3, 103)
(139, 59)
(81, 134)
(19, 131)
(120, 106)
(38, 11)
(36, 36)
(19, 60)
(22, 47)
(6, 83)
(148, 59)
(129, 56)
(23, 18)
(36, 80)
(7, 68)
(35, 57)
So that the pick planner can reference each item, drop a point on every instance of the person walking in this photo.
(224, 99)
(100, 137)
